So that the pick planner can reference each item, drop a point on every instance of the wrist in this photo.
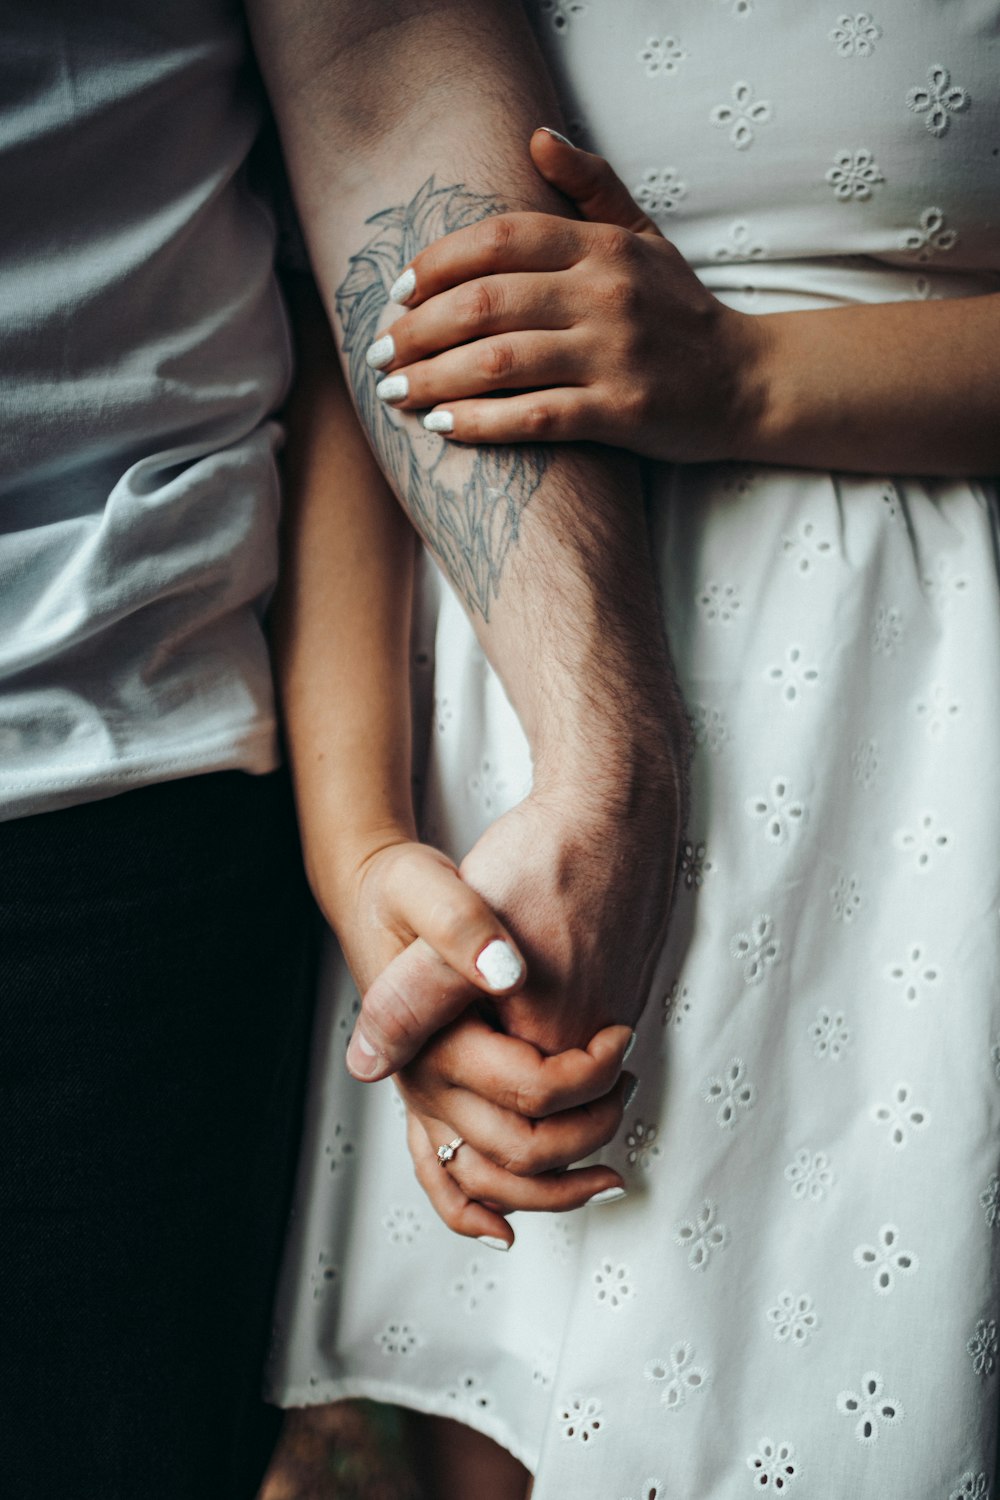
(750, 346)
(338, 857)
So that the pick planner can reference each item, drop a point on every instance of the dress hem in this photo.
(429, 1404)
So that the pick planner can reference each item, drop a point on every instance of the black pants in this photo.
(155, 981)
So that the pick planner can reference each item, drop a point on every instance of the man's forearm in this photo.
(400, 124)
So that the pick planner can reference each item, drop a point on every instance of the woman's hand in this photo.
(411, 927)
(523, 1118)
(602, 325)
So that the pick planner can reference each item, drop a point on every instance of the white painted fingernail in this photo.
(499, 965)
(494, 1242)
(557, 135)
(381, 353)
(628, 1048)
(609, 1195)
(362, 1058)
(404, 285)
(439, 421)
(630, 1093)
(393, 388)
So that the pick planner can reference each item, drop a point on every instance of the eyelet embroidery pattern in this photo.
(662, 56)
(938, 101)
(708, 725)
(733, 1093)
(757, 950)
(794, 677)
(886, 1260)
(855, 35)
(693, 865)
(806, 548)
(487, 787)
(676, 1005)
(793, 1318)
(702, 1237)
(562, 12)
(660, 191)
(642, 1147)
(402, 1225)
(854, 175)
(889, 496)
(943, 585)
(870, 1407)
(543, 1368)
(846, 899)
(742, 115)
(740, 8)
(971, 1487)
(468, 1392)
(740, 245)
(916, 978)
(681, 1377)
(398, 1338)
(901, 1116)
(982, 1348)
(720, 602)
(887, 631)
(474, 1287)
(936, 711)
(581, 1419)
(830, 1035)
(930, 237)
(339, 1151)
(865, 763)
(810, 1174)
(989, 1200)
(613, 1286)
(324, 1277)
(925, 842)
(781, 814)
(652, 1489)
(562, 1237)
(773, 1466)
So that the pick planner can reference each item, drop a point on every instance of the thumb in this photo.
(597, 191)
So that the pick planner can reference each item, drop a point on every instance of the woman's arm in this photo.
(615, 338)
(342, 639)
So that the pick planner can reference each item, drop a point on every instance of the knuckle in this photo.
(391, 1020)
(619, 244)
(529, 1101)
(450, 922)
(538, 420)
(499, 360)
(475, 306)
(497, 234)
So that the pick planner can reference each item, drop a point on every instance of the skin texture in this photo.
(609, 330)
(347, 560)
(560, 592)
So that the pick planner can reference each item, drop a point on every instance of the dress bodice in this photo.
(759, 131)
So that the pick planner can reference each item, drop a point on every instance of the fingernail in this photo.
(393, 388)
(493, 1241)
(362, 1059)
(439, 421)
(381, 353)
(499, 965)
(404, 285)
(609, 1195)
(628, 1048)
(557, 135)
(630, 1093)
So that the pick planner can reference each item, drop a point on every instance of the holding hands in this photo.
(601, 326)
(425, 948)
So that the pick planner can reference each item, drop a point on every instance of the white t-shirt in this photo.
(144, 349)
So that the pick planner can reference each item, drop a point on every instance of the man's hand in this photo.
(586, 890)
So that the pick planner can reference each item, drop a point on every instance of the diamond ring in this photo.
(445, 1153)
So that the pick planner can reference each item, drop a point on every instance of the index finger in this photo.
(516, 1076)
(502, 242)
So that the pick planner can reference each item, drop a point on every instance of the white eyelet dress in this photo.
(800, 1292)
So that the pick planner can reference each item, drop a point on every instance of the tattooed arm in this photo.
(402, 121)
